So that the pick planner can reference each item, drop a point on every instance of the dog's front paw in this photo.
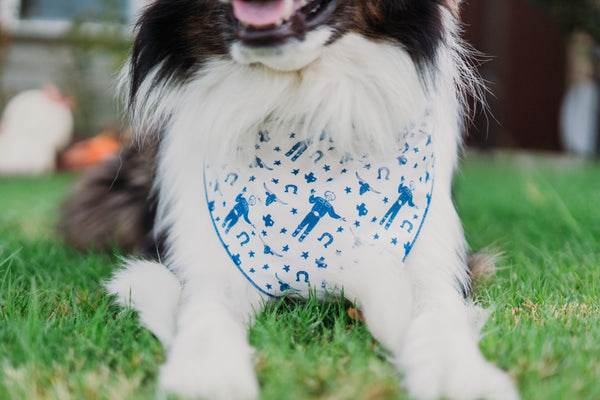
(438, 362)
(461, 382)
(209, 371)
(480, 381)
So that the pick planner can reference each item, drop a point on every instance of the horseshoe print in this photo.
(329, 236)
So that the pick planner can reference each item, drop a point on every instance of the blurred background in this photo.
(542, 70)
(540, 58)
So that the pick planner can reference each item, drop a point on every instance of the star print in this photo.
(368, 166)
(374, 219)
(286, 268)
(327, 168)
(257, 147)
(296, 171)
(344, 171)
(348, 190)
(292, 135)
(294, 211)
(275, 181)
(252, 270)
(356, 223)
(338, 252)
(376, 236)
(269, 286)
(252, 179)
(277, 149)
(340, 229)
(266, 267)
(286, 248)
(283, 231)
(416, 150)
(251, 254)
(264, 233)
(385, 200)
(278, 162)
(224, 204)
(395, 241)
(218, 219)
(305, 255)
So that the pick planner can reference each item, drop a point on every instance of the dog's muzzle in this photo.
(271, 22)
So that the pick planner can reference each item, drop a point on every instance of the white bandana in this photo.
(289, 217)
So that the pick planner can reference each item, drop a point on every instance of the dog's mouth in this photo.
(269, 22)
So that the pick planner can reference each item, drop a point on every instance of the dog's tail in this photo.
(113, 204)
(153, 291)
(483, 266)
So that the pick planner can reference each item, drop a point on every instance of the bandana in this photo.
(288, 218)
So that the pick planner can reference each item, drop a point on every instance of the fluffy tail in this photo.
(113, 204)
(153, 291)
(482, 266)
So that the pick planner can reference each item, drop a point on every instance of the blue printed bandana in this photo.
(289, 217)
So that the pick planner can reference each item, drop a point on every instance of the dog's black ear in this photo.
(174, 38)
(113, 204)
(417, 25)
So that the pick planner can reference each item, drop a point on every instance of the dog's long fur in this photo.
(363, 75)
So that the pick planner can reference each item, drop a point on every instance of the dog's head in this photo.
(178, 36)
(289, 34)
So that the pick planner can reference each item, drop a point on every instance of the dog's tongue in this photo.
(262, 13)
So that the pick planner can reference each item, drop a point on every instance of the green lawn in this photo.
(61, 338)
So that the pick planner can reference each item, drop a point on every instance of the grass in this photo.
(546, 218)
(61, 338)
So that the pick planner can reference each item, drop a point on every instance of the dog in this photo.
(299, 147)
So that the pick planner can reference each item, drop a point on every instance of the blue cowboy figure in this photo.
(406, 197)
(322, 206)
(239, 210)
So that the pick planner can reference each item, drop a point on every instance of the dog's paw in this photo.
(479, 381)
(461, 382)
(438, 362)
(209, 371)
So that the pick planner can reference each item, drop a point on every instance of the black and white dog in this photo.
(305, 146)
